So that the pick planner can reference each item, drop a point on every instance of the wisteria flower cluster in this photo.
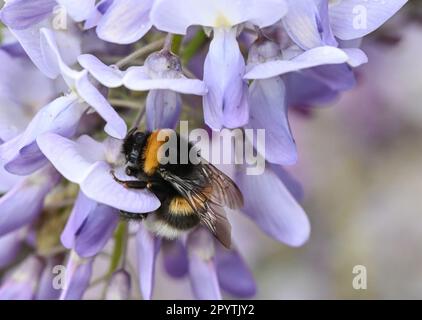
(77, 74)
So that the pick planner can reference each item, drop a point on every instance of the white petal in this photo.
(311, 58)
(177, 16)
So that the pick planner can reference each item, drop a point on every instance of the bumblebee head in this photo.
(133, 145)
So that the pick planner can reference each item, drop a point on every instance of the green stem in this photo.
(119, 246)
(154, 46)
(125, 103)
(177, 43)
(139, 117)
(120, 242)
(193, 46)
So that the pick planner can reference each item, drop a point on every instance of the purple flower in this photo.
(309, 24)
(21, 155)
(21, 283)
(280, 217)
(25, 19)
(77, 277)
(24, 202)
(125, 21)
(94, 216)
(89, 227)
(10, 244)
(119, 286)
(210, 266)
(78, 10)
(53, 77)
(376, 13)
(225, 105)
(268, 91)
(47, 289)
(88, 163)
(161, 75)
(23, 91)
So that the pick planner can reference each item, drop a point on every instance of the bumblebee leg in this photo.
(132, 216)
(130, 184)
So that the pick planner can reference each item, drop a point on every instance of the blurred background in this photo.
(361, 170)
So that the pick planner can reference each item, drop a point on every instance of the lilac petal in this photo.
(61, 116)
(96, 230)
(73, 160)
(23, 203)
(176, 17)
(78, 275)
(96, 15)
(22, 87)
(9, 150)
(291, 183)
(351, 19)
(280, 217)
(226, 103)
(324, 24)
(126, 21)
(202, 268)
(305, 91)
(163, 109)
(269, 95)
(29, 160)
(39, 43)
(147, 246)
(307, 24)
(265, 13)
(339, 77)
(137, 79)
(82, 208)
(30, 41)
(78, 10)
(116, 126)
(356, 57)
(22, 14)
(45, 290)
(52, 56)
(311, 58)
(13, 119)
(203, 278)
(108, 76)
(175, 258)
(82, 162)
(99, 185)
(22, 282)
(233, 274)
(301, 23)
(10, 245)
(119, 286)
(104, 5)
(7, 180)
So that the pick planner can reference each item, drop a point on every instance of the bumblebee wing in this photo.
(214, 218)
(206, 197)
(225, 192)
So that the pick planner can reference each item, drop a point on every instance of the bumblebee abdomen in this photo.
(179, 214)
(173, 218)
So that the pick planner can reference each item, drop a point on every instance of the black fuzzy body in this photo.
(134, 150)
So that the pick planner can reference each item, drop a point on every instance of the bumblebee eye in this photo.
(139, 138)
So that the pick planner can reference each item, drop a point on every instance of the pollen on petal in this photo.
(222, 21)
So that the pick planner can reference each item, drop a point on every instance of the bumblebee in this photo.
(190, 194)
